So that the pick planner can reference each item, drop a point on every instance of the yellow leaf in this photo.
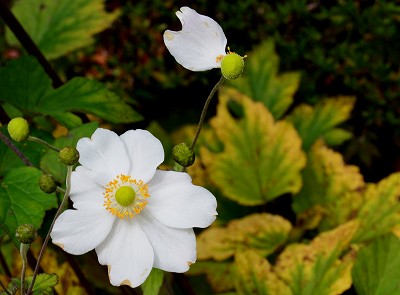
(261, 160)
(254, 275)
(262, 232)
(316, 268)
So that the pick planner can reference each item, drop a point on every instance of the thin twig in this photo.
(45, 143)
(11, 145)
(46, 240)
(4, 288)
(27, 42)
(204, 111)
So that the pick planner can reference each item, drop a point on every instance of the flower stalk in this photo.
(38, 140)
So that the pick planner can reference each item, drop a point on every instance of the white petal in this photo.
(200, 42)
(85, 191)
(174, 249)
(128, 254)
(145, 153)
(79, 231)
(105, 154)
(176, 202)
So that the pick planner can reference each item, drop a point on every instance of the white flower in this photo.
(200, 45)
(135, 216)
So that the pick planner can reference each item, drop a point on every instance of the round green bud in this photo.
(69, 155)
(183, 155)
(26, 233)
(18, 128)
(232, 66)
(47, 183)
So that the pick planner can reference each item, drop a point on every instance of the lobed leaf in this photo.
(376, 270)
(261, 160)
(263, 233)
(261, 81)
(317, 268)
(59, 27)
(315, 122)
(22, 201)
(254, 275)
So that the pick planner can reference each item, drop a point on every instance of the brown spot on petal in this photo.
(59, 245)
(169, 36)
(189, 263)
(126, 282)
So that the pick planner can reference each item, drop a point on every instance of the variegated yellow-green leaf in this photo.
(376, 270)
(261, 160)
(327, 181)
(254, 275)
(317, 268)
(315, 122)
(58, 27)
(262, 82)
(262, 232)
(380, 212)
(219, 274)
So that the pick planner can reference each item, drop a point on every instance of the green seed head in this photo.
(69, 155)
(183, 155)
(18, 128)
(125, 195)
(232, 66)
(26, 233)
(47, 183)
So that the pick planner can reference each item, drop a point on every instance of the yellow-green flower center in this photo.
(125, 197)
(232, 66)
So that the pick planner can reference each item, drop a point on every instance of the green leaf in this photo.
(263, 233)
(219, 274)
(326, 180)
(23, 83)
(59, 27)
(261, 81)
(261, 160)
(376, 270)
(25, 86)
(336, 136)
(44, 283)
(88, 96)
(317, 268)
(50, 162)
(379, 212)
(254, 275)
(22, 201)
(314, 122)
(153, 282)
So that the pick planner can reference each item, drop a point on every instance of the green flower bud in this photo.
(47, 183)
(232, 66)
(26, 233)
(183, 155)
(18, 128)
(69, 155)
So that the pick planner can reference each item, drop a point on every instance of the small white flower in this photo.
(200, 45)
(135, 216)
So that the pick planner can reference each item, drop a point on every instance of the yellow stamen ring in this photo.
(125, 197)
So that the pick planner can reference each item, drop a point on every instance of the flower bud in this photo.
(183, 155)
(69, 155)
(232, 66)
(18, 128)
(47, 183)
(26, 233)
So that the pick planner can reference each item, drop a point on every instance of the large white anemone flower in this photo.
(200, 45)
(135, 216)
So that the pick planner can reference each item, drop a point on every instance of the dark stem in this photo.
(27, 42)
(46, 240)
(4, 289)
(9, 143)
(204, 111)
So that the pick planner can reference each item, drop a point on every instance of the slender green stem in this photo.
(204, 111)
(22, 251)
(46, 240)
(38, 140)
